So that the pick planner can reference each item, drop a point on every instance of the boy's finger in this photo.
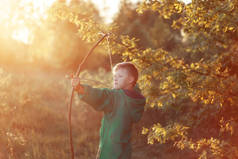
(76, 82)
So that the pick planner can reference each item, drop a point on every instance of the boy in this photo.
(122, 106)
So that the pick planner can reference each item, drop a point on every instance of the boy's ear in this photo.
(131, 79)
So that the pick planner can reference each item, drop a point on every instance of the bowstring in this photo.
(109, 52)
(110, 59)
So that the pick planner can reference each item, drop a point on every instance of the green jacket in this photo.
(121, 109)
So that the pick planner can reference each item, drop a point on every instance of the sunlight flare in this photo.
(19, 17)
(22, 35)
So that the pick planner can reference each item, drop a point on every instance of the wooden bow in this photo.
(72, 93)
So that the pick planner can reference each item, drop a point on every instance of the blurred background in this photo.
(186, 52)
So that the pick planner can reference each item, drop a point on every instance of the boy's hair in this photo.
(130, 67)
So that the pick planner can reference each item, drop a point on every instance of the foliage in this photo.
(206, 79)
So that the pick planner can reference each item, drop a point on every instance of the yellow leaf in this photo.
(160, 104)
(174, 95)
(144, 131)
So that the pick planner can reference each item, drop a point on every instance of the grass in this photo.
(34, 122)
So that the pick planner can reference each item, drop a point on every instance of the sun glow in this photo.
(19, 17)
(39, 7)
(23, 35)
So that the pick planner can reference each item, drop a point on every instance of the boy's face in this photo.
(122, 79)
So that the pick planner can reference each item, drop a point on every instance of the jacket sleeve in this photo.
(101, 99)
(137, 111)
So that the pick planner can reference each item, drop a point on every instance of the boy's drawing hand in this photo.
(75, 82)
